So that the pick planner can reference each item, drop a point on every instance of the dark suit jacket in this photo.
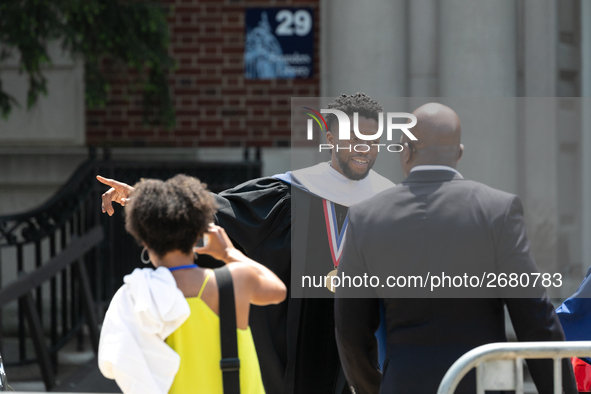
(440, 221)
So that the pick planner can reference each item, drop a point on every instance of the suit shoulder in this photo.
(473, 193)
(495, 204)
(491, 195)
(487, 190)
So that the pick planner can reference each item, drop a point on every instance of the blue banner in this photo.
(279, 43)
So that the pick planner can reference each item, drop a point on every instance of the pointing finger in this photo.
(106, 181)
(110, 182)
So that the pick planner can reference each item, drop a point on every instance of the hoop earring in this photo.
(145, 261)
(195, 255)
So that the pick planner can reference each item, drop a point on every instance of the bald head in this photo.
(438, 133)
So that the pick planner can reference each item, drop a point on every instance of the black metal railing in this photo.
(43, 235)
(72, 258)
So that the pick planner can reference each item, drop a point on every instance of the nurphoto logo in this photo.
(345, 129)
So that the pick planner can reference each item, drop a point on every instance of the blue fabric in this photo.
(182, 267)
(284, 177)
(575, 314)
(381, 337)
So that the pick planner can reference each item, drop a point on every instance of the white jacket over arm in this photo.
(142, 314)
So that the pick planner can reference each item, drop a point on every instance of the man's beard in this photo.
(348, 172)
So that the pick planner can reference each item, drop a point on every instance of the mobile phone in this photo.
(203, 241)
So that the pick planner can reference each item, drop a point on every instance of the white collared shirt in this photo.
(435, 167)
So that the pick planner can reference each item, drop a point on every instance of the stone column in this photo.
(586, 130)
(540, 47)
(422, 48)
(477, 49)
(477, 60)
(540, 147)
(363, 47)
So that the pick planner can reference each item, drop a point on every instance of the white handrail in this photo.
(510, 351)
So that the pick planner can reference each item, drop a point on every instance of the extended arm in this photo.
(266, 287)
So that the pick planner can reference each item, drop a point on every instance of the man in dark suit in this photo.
(436, 220)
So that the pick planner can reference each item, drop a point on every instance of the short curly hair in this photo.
(359, 102)
(169, 215)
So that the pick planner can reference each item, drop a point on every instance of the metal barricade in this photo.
(3, 381)
(499, 366)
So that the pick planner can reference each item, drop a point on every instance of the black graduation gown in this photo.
(295, 340)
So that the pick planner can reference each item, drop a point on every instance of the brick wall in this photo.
(215, 105)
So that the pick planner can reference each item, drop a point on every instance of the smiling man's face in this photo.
(354, 165)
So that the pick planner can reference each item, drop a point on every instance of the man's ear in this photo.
(407, 153)
(329, 138)
(461, 151)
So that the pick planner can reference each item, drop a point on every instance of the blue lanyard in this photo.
(183, 267)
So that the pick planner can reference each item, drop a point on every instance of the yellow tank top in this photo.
(197, 341)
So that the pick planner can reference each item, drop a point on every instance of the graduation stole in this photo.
(336, 239)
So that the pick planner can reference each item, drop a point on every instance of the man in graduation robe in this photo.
(304, 212)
